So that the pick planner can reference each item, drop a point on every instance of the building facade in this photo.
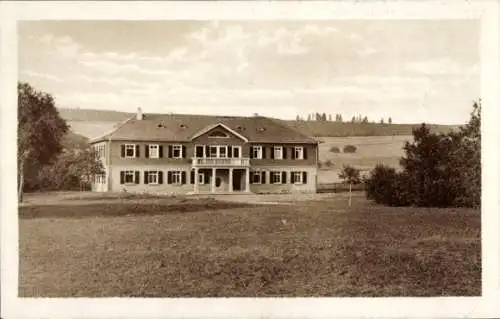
(184, 154)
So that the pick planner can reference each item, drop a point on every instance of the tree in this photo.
(297, 118)
(340, 118)
(353, 120)
(382, 121)
(308, 117)
(350, 175)
(365, 119)
(329, 118)
(40, 132)
(389, 120)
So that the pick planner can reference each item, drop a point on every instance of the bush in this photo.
(335, 149)
(386, 186)
(328, 163)
(350, 149)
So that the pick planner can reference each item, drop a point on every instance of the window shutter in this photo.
(292, 178)
(293, 152)
(191, 177)
(183, 177)
(146, 177)
(169, 177)
(137, 177)
(304, 177)
(284, 152)
(137, 150)
(122, 176)
(170, 152)
(123, 150)
(283, 177)
(146, 151)
(251, 152)
(272, 152)
(263, 152)
(184, 151)
(229, 151)
(304, 152)
(207, 151)
(271, 177)
(263, 177)
(160, 151)
(160, 177)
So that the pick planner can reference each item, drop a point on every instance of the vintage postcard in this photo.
(250, 159)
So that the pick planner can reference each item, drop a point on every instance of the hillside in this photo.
(92, 123)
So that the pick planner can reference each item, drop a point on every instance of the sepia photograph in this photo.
(257, 158)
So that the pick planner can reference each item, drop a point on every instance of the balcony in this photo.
(220, 162)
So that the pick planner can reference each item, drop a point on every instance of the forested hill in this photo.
(310, 128)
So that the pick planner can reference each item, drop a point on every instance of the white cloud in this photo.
(440, 67)
(40, 75)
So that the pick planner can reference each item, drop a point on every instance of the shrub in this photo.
(350, 149)
(335, 149)
(328, 163)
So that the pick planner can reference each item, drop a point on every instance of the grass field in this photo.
(182, 246)
(371, 150)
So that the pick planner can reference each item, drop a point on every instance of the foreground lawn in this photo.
(314, 248)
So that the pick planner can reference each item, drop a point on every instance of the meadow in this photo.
(157, 246)
(371, 150)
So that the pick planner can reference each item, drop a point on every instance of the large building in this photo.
(179, 153)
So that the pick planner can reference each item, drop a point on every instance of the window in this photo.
(218, 134)
(176, 177)
(99, 151)
(256, 178)
(100, 179)
(152, 177)
(219, 151)
(222, 151)
(177, 151)
(201, 178)
(276, 177)
(257, 152)
(278, 152)
(129, 177)
(297, 178)
(130, 150)
(154, 151)
(298, 152)
(236, 151)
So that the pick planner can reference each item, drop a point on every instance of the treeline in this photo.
(323, 117)
(438, 169)
(50, 157)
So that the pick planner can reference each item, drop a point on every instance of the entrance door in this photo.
(237, 180)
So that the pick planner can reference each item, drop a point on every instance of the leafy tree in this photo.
(382, 121)
(389, 120)
(350, 149)
(365, 119)
(40, 131)
(353, 120)
(308, 117)
(351, 176)
(329, 117)
(323, 117)
(297, 118)
(340, 118)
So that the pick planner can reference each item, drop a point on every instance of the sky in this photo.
(411, 70)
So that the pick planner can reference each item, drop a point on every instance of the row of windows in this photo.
(278, 177)
(217, 151)
(155, 177)
(278, 152)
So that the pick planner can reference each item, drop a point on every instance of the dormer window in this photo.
(261, 129)
(218, 134)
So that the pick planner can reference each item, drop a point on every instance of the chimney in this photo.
(139, 115)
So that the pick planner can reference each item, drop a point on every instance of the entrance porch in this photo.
(221, 180)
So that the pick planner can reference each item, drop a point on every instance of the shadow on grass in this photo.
(123, 209)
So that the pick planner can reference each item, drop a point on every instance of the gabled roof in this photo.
(183, 127)
(211, 127)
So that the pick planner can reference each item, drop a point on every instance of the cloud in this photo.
(40, 75)
(440, 67)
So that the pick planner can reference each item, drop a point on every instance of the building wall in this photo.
(308, 187)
